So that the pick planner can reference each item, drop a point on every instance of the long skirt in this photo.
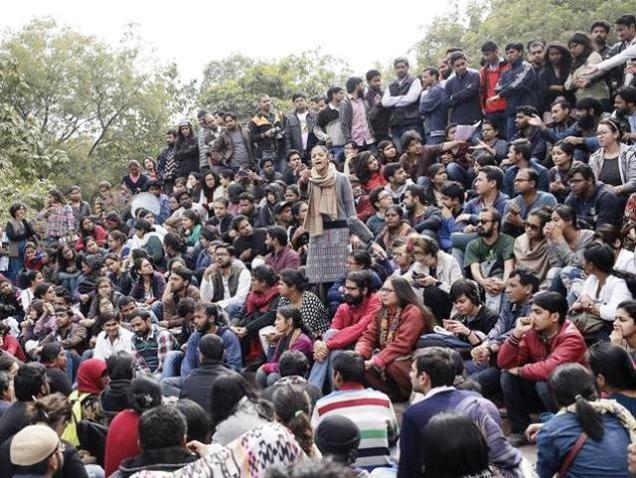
(327, 256)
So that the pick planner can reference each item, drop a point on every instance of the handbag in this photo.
(587, 323)
(569, 458)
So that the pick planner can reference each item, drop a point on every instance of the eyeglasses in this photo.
(349, 289)
(529, 225)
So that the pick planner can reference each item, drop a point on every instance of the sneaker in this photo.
(517, 439)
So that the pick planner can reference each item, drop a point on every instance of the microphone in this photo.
(360, 229)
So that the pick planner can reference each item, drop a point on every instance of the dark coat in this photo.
(198, 385)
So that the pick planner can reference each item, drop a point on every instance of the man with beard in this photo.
(536, 54)
(397, 181)
(250, 241)
(599, 31)
(402, 96)
(233, 148)
(354, 116)
(226, 282)
(151, 343)
(186, 151)
(582, 134)
(154, 188)
(246, 206)
(520, 157)
(594, 204)
(378, 114)
(179, 286)
(490, 257)
(282, 256)
(625, 112)
(186, 203)
(531, 133)
(425, 218)
(166, 166)
(350, 321)
(207, 319)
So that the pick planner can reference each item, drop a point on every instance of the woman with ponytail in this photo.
(293, 410)
(122, 440)
(589, 436)
(615, 373)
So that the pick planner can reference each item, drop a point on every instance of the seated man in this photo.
(351, 320)
(36, 450)
(433, 374)
(593, 203)
(293, 367)
(226, 282)
(198, 385)
(282, 256)
(162, 439)
(519, 290)
(528, 198)
(537, 345)
(113, 337)
(208, 319)
(53, 357)
(370, 409)
(424, 217)
(490, 257)
(151, 343)
(179, 286)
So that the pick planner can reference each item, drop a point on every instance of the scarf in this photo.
(603, 405)
(89, 376)
(260, 302)
(389, 323)
(322, 200)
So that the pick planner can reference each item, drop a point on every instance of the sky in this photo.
(192, 33)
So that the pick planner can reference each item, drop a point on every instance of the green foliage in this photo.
(234, 83)
(472, 22)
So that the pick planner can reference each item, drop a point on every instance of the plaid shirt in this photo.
(151, 351)
(59, 221)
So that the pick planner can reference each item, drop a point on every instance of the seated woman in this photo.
(393, 332)
(259, 311)
(235, 408)
(613, 237)
(624, 333)
(437, 176)
(118, 275)
(68, 267)
(600, 429)
(531, 247)
(150, 284)
(387, 152)
(457, 159)
(434, 273)
(191, 227)
(396, 228)
(615, 374)
(563, 159)
(368, 170)
(566, 243)
(293, 290)
(601, 294)
(103, 290)
(87, 228)
(291, 334)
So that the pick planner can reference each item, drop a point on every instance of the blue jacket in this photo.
(433, 109)
(232, 351)
(447, 399)
(475, 205)
(602, 208)
(606, 458)
(518, 86)
(463, 98)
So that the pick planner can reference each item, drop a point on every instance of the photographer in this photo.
(266, 130)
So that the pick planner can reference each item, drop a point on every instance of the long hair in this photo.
(293, 409)
(406, 296)
(566, 58)
(226, 393)
(572, 384)
(614, 364)
(580, 38)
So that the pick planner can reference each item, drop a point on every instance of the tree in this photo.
(234, 83)
(472, 22)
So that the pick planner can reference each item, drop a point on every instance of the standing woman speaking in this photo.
(330, 205)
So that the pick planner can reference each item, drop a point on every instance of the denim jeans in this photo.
(323, 370)
(457, 172)
(567, 281)
(266, 379)
(523, 397)
(172, 364)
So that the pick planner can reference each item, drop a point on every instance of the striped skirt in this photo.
(327, 256)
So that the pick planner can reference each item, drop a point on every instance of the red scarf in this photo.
(260, 302)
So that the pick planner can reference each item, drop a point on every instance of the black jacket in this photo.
(186, 154)
(161, 459)
(294, 134)
(198, 385)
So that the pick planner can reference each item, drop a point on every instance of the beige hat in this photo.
(33, 444)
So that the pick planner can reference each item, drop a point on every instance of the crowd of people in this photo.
(365, 286)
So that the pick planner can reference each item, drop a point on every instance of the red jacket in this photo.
(412, 325)
(536, 358)
(11, 345)
(489, 79)
(350, 322)
(364, 209)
